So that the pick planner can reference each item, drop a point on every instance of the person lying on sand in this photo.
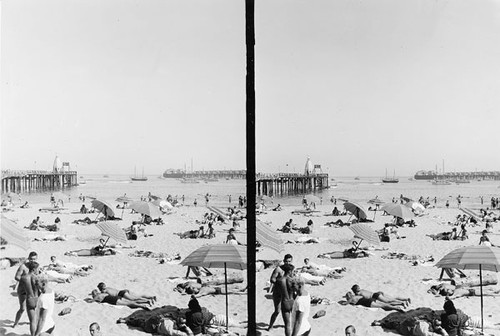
(358, 300)
(303, 240)
(192, 234)
(348, 253)
(380, 296)
(338, 223)
(198, 289)
(159, 325)
(444, 235)
(94, 251)
(69, 265)
(305, 230)
(452, 292)
(99, 297)
(321, 270)
(125, 293)
(86, 221)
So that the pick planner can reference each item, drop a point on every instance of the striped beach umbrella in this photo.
(219, 256)
(111, 230)
(475, 257)
(13, 234)
(365, 232)
(356, 209)
(268, 238)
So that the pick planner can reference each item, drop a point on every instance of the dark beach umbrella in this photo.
(356, 209)
(13, 233)
(103, 207)
(219, 256)
(479, 257)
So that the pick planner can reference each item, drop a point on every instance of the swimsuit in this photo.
(376, 295)
(110, 299)
(122, 293)
(364, 302)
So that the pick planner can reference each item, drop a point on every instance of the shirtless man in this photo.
(380, 296)
(118, 301)
(28, 282)
(21, 292)
(277, 295)
(287, 297)
(125, 293)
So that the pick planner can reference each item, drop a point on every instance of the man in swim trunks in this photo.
(277, 295)
(21, 292)
(285, 284)
(358, 300)
(118, 301)
(380, 296)
(125, 293)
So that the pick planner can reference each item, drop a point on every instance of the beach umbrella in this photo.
(13, 234)
(162, 204)
(479, 257)
(146, 208)
(364, 232)
(416, 206)
(219, 256)
(103, 207)
(111, 230)
(398, 210)
(355, 209)
(312, 199)
(268, 237)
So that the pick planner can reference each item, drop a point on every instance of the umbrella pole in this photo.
(481, 287)
(227, 305)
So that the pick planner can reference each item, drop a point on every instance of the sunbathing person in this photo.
(86, 220)
(126, 294)
(68, 265)
(443, 235)
(94, 251)
(358, 300)
(118, 301)
(306, 230)
(348, 253)
(453, 292)
(484, 240)
(337, 223)
(321, 270)
(192, 234)
(210, 233)
(198, 289)
(277, 208)
(380, 296)
(159, 325)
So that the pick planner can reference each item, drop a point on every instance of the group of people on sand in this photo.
(290, 226)
(37, 224)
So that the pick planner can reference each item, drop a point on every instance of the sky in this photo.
(360, 87)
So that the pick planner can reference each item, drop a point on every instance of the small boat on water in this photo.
(357, 178)
(392, 179)
(139, 178)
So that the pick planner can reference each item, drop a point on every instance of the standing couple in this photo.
(290, 294)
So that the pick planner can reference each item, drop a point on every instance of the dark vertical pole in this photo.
(250, 123)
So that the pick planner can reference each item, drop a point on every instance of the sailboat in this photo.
(139, 178)
(392, 179)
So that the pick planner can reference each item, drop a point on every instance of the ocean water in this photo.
(362, 190)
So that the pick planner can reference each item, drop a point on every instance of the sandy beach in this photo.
(374, 273)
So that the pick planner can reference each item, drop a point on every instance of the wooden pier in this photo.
(290, 184)
(24, 181)
(218, 174)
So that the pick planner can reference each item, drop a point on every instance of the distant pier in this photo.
(218, 174)
(289, 184)
(24, 181)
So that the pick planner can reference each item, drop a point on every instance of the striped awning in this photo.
(13, 233)
(471, 257)
(268, 238)
(218, 256)
(365, 232)
(112, 230)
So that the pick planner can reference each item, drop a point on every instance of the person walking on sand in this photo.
(45, 308)
(301, 308)
(277, 274)
(21, 291)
